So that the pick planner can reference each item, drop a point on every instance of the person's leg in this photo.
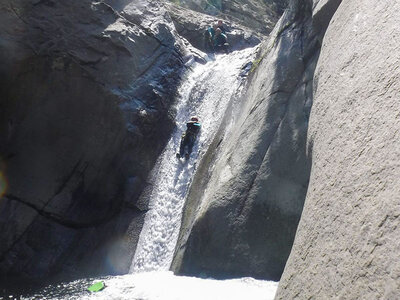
(211, 46)
(206, 41)
(226, 48)
(190, 145)
(208, 47)
(182, 145)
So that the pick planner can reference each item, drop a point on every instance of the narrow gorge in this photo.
(292, 179)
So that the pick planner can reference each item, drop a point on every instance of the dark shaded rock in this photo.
(347, 243)
(241, 216)
(83, 86)
(323, 11)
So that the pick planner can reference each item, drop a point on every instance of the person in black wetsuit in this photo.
(189, 137)
(220, 41)
(220, 25)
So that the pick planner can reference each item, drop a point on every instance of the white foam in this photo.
(165, 286)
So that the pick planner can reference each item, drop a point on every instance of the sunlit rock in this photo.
(347, 244)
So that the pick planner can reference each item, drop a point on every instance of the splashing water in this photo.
(206, 94)
(161, 285)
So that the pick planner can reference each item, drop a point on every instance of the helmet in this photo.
(194, 119)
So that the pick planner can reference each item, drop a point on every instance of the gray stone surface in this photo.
(257, 15)
(347, 245)
(191, 25)
(241, 214)
(83, 87)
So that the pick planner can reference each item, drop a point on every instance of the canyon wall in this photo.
(245, 202)
(246, 199)
(347, 244)
(84, 87)
(87, 93)
(257, 15)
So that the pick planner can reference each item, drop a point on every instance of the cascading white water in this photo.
(206, 94)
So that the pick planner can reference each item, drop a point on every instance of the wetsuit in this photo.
(189, 137)
(223, 30)
(221, 42)
(208, 39)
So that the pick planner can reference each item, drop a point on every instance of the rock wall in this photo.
(347, 243)
(247, 196)
(257, 15)
(191, 25)
(84, 86)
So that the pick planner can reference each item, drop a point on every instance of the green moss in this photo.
(256, 63)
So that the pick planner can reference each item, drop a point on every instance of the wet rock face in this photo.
(347, 244)
(83, 86)
(241, 219)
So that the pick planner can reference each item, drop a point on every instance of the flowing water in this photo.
(161, 285)
(206, 93)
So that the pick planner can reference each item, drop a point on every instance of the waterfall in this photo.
(205, 93)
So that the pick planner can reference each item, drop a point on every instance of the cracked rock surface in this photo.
(83, 85)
